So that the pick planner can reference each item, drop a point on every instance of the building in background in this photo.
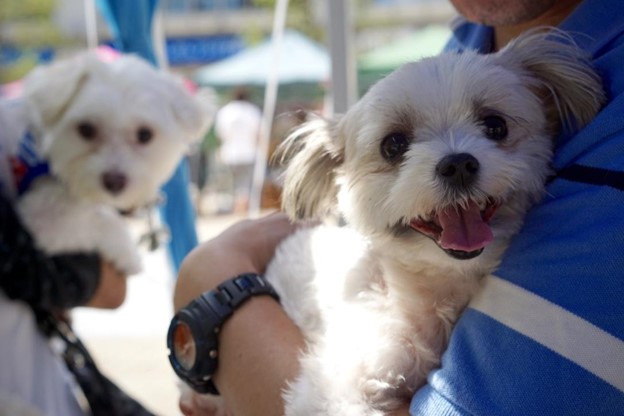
(198, 32)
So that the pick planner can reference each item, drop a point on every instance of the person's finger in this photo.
(111, 290)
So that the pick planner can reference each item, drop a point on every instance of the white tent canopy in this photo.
(302, 61)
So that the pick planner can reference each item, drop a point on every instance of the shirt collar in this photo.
(470, 36)
(594, 24)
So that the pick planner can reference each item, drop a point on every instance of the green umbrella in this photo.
(379, 62)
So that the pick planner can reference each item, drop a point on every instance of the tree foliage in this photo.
(29, 27)
(11, 10)
(300, 16)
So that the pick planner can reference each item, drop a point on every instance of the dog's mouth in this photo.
(462, 231)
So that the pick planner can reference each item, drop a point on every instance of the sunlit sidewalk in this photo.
(129, 343)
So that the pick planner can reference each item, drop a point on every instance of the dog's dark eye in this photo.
(394, 145)
(144, 135)
(495, 128)
(87, 131)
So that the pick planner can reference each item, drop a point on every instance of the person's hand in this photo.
(245, 247)
(195, 404)
(111, 290)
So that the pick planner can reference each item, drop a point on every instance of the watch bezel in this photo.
(202, 321)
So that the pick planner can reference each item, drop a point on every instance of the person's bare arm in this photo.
(259, 344)
(259, 350)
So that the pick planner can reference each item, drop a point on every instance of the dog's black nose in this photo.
(114, 182)
(459, 170)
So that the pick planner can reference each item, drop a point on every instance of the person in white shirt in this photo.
(237, 125)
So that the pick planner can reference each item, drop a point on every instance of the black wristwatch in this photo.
(192, 338)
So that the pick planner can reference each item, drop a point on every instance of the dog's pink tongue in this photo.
(463, 228)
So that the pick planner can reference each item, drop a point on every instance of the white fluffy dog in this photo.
(433, 170)
(112, 133)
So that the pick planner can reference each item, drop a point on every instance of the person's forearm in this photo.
(259, 345)
(259, 348)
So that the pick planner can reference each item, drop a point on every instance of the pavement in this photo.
(129, 343)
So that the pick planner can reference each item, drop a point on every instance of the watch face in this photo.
(184, 349)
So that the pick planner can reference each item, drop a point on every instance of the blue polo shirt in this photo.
(546, 335)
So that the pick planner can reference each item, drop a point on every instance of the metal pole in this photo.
(91, 24)
(270, 98)
(160, 40)
(344, 76)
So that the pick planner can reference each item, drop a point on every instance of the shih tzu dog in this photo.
(433, 170)
(102, 138)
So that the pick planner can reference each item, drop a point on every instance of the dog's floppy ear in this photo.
(208, 102)
(194, 113)
(50, 88)
(570, 87)
(313, 153)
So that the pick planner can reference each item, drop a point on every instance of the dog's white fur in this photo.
(72, 210)
(377, 301)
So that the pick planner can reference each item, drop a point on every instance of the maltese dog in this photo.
(433, 170)
(102, 138)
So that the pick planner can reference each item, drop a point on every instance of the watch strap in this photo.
(240, 288)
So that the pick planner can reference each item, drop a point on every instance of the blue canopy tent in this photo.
(130, 23)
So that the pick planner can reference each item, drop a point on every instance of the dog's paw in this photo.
(129, 264)
(122, 253)
(385, 395)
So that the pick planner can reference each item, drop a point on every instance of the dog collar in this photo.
(27, 165)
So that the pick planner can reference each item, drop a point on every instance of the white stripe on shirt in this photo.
(560, 330)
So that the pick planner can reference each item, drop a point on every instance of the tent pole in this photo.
(343, 73)
(91, 24)
(160, 40)
(268, 109)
